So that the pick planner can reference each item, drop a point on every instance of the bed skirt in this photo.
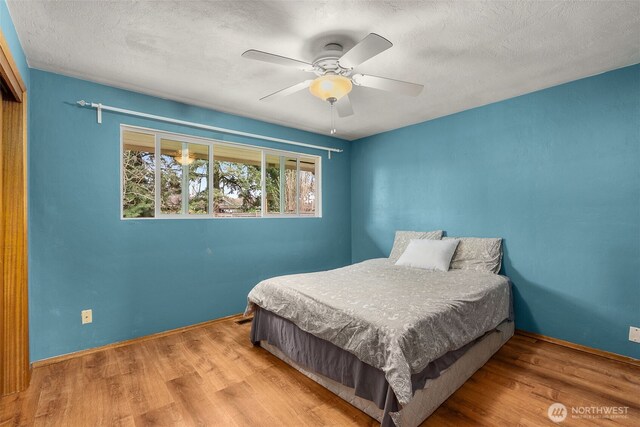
(364, 386)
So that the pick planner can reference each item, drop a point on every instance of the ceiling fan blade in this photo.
(390, 85)
(259, 55)
(287, 91)
(344, 107)
(368, 47)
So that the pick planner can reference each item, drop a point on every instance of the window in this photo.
(290, 185)
(281, 184)
(202, 178)
(237, 184)
(184, 177)
(138, 175)
(308, 186)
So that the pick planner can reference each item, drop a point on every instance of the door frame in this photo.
(15, 367)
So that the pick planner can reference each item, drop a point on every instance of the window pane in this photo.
(138, 175)
(170, 177)
(272, 184)
(308, 186)
(290, 185)
(281, 184)
(236, 182)
(184, 177)
(198, 178)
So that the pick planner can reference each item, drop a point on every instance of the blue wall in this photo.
(145, 276)
(556, 173)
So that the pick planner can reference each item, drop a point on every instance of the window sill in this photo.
(190, 217)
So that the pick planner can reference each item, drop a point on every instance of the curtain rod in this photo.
(100, 107)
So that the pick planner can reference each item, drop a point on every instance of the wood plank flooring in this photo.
(213, 376)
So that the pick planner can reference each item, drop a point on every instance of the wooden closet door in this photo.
(3, 321)
(15, 369)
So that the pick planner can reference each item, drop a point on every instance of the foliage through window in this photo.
(184, 177)
(138, 169)
(237, 188)
(195, 177)
(308, 186)
(281, 184)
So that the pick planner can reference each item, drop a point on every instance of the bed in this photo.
(394, 341)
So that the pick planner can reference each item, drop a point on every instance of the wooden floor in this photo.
(213, 376)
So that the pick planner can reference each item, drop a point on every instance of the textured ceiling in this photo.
(466, 54)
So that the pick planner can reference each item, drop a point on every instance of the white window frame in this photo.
(212, 143)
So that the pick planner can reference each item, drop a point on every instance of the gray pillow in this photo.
(404, 237)
(477, 253)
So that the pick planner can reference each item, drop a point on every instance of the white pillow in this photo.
(429, 254)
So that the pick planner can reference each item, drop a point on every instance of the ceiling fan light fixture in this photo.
(330, 86)
(184, 157)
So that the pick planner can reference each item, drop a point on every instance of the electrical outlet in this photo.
(87, 316)
(634, 334)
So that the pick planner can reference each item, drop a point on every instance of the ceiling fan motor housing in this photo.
(327, 61)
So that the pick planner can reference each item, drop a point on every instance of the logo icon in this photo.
(557, 412)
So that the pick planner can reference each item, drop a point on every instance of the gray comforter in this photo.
(397, 319)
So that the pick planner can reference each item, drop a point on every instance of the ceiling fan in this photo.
(334, 70)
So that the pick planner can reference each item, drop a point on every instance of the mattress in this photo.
(395, 319)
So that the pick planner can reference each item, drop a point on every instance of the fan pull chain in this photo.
(333, 126)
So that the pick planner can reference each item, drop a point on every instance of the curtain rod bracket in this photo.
(98, 108)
